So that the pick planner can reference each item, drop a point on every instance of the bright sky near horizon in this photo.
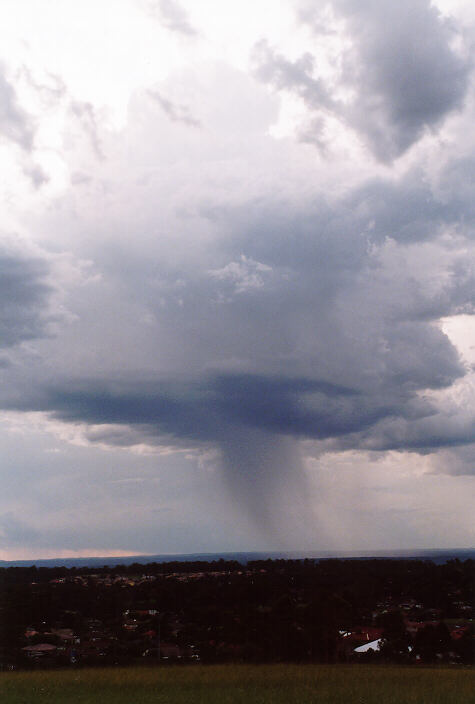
(236, 276)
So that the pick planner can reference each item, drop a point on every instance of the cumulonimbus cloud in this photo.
(233, 312)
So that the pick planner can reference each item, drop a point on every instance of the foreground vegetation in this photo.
(227, 684)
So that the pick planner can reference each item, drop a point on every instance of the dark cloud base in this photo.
(210, 411)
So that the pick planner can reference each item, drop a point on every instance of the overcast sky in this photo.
(236, 275)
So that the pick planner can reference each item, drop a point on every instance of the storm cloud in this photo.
(400, 73)
(333, 337)
(25, 295)
(233, 296)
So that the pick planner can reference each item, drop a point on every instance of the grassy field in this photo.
(338, 684)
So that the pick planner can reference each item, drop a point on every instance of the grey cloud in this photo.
(401, 67)
(407, 69)
(37, 175)
(50, 92)
(211, 411)
(252, 420)
(173, 16)
(458, 461)
(78, 178)
(25, 294)
(15, 532)
(314, 133)
(243, 322)
(15, 124)
(201, 412)
(272, 67)
(175, 111)
(334, 335)
(84, 112)
(436, 431)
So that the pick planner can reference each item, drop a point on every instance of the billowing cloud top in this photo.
(253, 255)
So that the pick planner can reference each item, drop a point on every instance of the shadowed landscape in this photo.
(266, 611)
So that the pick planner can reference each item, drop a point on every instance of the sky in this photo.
(236, 276)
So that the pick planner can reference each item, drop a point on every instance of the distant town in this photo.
(332, 610)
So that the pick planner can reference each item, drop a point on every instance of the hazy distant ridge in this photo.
(436, 555)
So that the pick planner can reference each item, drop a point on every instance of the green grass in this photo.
(229, 684)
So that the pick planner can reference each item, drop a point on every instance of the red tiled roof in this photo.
(40, 648)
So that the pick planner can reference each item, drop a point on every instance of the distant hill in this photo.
(438, 556)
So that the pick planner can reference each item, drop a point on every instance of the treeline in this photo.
(365, 582)
(24, 575)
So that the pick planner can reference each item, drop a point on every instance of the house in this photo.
(30, 632)
(168, 651)
(65, 635)
(40, 650)
(363, 634)
(374, 645)
(413, 627)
